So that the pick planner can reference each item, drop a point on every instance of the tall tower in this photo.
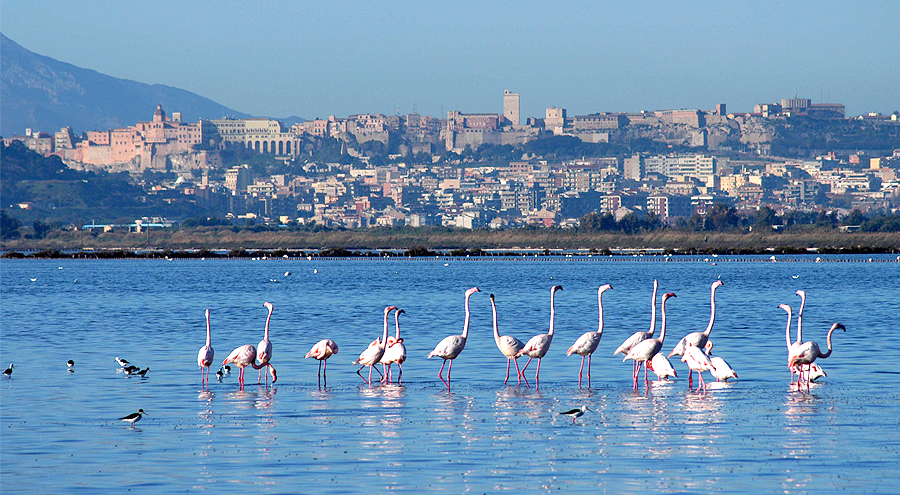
(511, 106)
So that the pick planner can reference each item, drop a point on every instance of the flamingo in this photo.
(643, 351)
(452, 345)
(264, 348)
(698, 339)
(373, 353)
(697, 361)
(795, 347)
(507, 344)
(662, 367)
(720, 368)
(205, 356)
(815, 372)
(639, 336)
(245, 356)
(791, 346)
(323, 350)
(588, 342)
(537, 346)
(808, 352)
(395, 352)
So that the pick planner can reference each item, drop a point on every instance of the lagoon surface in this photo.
(59, 431)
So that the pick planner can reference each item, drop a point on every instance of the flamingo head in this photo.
(269, 306)
(207, 313)
(556, 288)
(708, 346)
(603, 288)
(492, 297)
(801, 293)
(785, 307)
(668, 295)
(389, 309)
(273, 373)
(400, 312)
(472, 291)
(717, 284)
(655, 283)
(838, 325)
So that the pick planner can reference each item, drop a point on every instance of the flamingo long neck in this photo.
(828, 341)
(653, 309)
(712, 310)
(600, 309)
(552, 309)
(787, 330)
(800, 318)
(397, 323)
(465, 333)
(268, 318)
(496, 330)
(384, 335)
(662, 333)
(207, 330)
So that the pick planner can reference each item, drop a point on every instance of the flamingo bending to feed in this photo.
(697, 361)
(373, 353)
(644, 350)
(323, 350)
(698, 339)
(815, 372)
(808, 352)
(637, 337)
(452, 345)
(205, 356)
(537, 346)
(395, 352)
(244, 356)
(264, 348)
(507, 344)
(588, 342)
(662, 367)
(720, 368)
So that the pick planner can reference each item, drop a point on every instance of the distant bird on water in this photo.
(133, 417)
(323, 350)
(373, 354)
(576, 413)
(287, 274)
(205, 355)
(131, 369)
(143, 372)
(588, 342)
(8, 372)
(219, 374)
(122, 362)
(71, 365)
(264, 348)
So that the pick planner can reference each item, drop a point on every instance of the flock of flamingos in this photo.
(643, 348)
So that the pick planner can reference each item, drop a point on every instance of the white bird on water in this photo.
(122, 362)
(452, 345)
(537, 346)
(507, 344)
(644, 351)
(588, 342)
(205, 355)
(8, 371)
(374, 353)
(639, 336)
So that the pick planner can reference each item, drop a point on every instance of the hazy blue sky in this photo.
(315, 59)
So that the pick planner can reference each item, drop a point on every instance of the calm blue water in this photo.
(59, 433)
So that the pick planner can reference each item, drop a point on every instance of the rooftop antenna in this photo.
(414, 107)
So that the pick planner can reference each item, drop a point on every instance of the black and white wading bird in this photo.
(8, 372)
(133, 417)
(576, 413)
(71, 365)
(122, 362)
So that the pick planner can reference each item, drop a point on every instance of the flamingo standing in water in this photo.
(795, 347)
(373, 353)
(720, 368)
(507, 344)
(791, 346)
(244, 356)
(537, 346)
(323, 350)
(637, 337)
(264, 349)
(205, 356)
(452, 345)
(697, 361)
(588, 342)
(644, 350)
(662, 367)
(395, 352)
(808, 352)
(698, 339)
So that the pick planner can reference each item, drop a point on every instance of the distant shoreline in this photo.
(213, 242)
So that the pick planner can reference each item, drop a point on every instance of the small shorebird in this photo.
(576, 413)
(71, 365)
(226, 369)
(8, 372)
(219, 374)
(143, 372)
(122, 362)
(133, 417)
(131, 369)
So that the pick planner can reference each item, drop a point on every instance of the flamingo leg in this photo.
(589, 369)
(519, 373)
(449, 369)
(525, 368)
(645, 371)
(580, 370)
(690, 379)
(507, 371)
(360, 374)
(400, 376)
(441, 376)
(370, 374)
(376, 369)
(537, 374)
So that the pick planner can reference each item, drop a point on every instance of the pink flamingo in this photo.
(373, 353)
(644, 350)
(720, 368)
(640, 336)
(698, 339)
(244, 356)
(661, 367)
(537, 346)
(697, 361)
(452, 345)
(323, 350)
(808, 352)
(588, 342)
(507, 344)
(264, 349)
(791, 346)
(395, 352)
(205, 356)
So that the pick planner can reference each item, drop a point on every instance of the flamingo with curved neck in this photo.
(698, 339)
(374, 353)
(507, 344)
(395, 352)
(644, 351)
(537, 346)
(637, 337)
(244, 356)
(205, 355)
(588, 342)
(323, 350)
(452, 345)
(791, 346)
(264, 348)
(808, 352)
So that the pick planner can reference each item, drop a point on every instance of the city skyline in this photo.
(587, 58)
